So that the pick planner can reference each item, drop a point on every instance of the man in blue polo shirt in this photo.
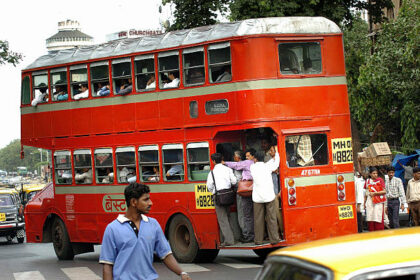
(130, 241)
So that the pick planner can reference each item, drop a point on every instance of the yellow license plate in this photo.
(2, 217)
(345, 212)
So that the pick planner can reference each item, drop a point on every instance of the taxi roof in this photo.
(354, 252)
(33, 187)
(7, 191)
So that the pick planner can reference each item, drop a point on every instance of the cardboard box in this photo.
(378, 149)
(376, 161)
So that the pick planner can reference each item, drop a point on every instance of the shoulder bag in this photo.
(224, 197)
(245, 188)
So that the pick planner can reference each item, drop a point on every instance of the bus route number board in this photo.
(345, 212)
(203, 198)
(342, 150)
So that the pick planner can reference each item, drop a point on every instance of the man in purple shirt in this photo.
(244, 204)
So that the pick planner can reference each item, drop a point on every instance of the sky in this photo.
(26, 24)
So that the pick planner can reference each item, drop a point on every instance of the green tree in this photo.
(337, 11)
(194, 13)
(10, 157)
(7, 56)
(388, 93)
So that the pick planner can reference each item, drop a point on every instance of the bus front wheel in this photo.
(61, 241)
(182, 239)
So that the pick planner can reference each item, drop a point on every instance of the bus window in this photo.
(169, 69)
(26, 91)
(58, 78)
(173, 162)
(193, 109)
(306, 150)
(79, 82)
(40, 88)
(300, 58)
(121, 76)
(145, 72)
(99, 77)
(104, 166)
(62, 164)
(220, 63)
(198, 161)
(126, 164)
(149, 163)
(82, 161)
(193, 66)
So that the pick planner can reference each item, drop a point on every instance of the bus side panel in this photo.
(333, 54)
(101, 119)
(146, 115)
(306, 224)
(123, 117)
(81, 121)
(60, 122)
(27, 126)
(42, 124)
(87, 215)
(170, 115)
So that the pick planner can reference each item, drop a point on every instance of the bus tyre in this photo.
(262, 253)
(61, 241)
(182, 239)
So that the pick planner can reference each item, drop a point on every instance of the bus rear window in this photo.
(306, 150)
(26, 91)
(300, 58)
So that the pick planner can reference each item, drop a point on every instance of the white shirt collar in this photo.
(122, 218)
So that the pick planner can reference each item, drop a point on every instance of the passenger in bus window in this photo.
(126, 87)
(175, 171)
(174, 80)
(225, 76)
(41, 95)
(151, 83)
(83, 92)
(103, 90)
(125, 174)
(85, 177)
(195, 76)
(109, 178)
(151, 175)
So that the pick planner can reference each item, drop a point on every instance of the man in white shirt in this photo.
(264, 197)
(224, 178)
(84, 92)
(174, 83)
(359, 184)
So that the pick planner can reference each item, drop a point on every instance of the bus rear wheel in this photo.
(61, 241)
(182, 239)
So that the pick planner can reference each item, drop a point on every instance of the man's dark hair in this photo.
(216, 157)
(390, 168)
(251, 151)
(260, 156)
(135, 190)
(416, 169)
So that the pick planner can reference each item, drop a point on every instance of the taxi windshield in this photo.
(6, 200)
(31, 195)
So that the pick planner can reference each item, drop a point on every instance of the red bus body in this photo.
(259, 96)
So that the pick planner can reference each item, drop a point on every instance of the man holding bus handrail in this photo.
(130, 241)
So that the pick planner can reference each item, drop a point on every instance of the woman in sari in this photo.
(375, 200)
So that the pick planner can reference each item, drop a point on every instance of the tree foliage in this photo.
(337, 11)
(194, 13)
(10, 157)
(388, 94)
(7, 56)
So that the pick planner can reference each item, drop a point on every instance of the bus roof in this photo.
(274, 25)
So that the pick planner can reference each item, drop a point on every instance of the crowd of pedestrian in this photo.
(382, 195)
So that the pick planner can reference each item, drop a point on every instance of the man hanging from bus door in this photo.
(244, 204)
(130, 241)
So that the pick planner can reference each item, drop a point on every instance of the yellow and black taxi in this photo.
(390, 254)
(12, 223)
(30, 190)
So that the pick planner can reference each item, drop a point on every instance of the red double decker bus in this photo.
(152, 110)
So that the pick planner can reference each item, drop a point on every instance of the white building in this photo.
(68, 36)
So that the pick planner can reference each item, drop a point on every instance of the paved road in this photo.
(38, 262)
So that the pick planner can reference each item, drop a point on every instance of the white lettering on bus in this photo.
(310, 172)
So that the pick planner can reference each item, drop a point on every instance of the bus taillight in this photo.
(291, 191)
(341, 188)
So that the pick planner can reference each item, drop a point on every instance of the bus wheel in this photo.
(61, 241)
(262, 253)
(182, 239)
